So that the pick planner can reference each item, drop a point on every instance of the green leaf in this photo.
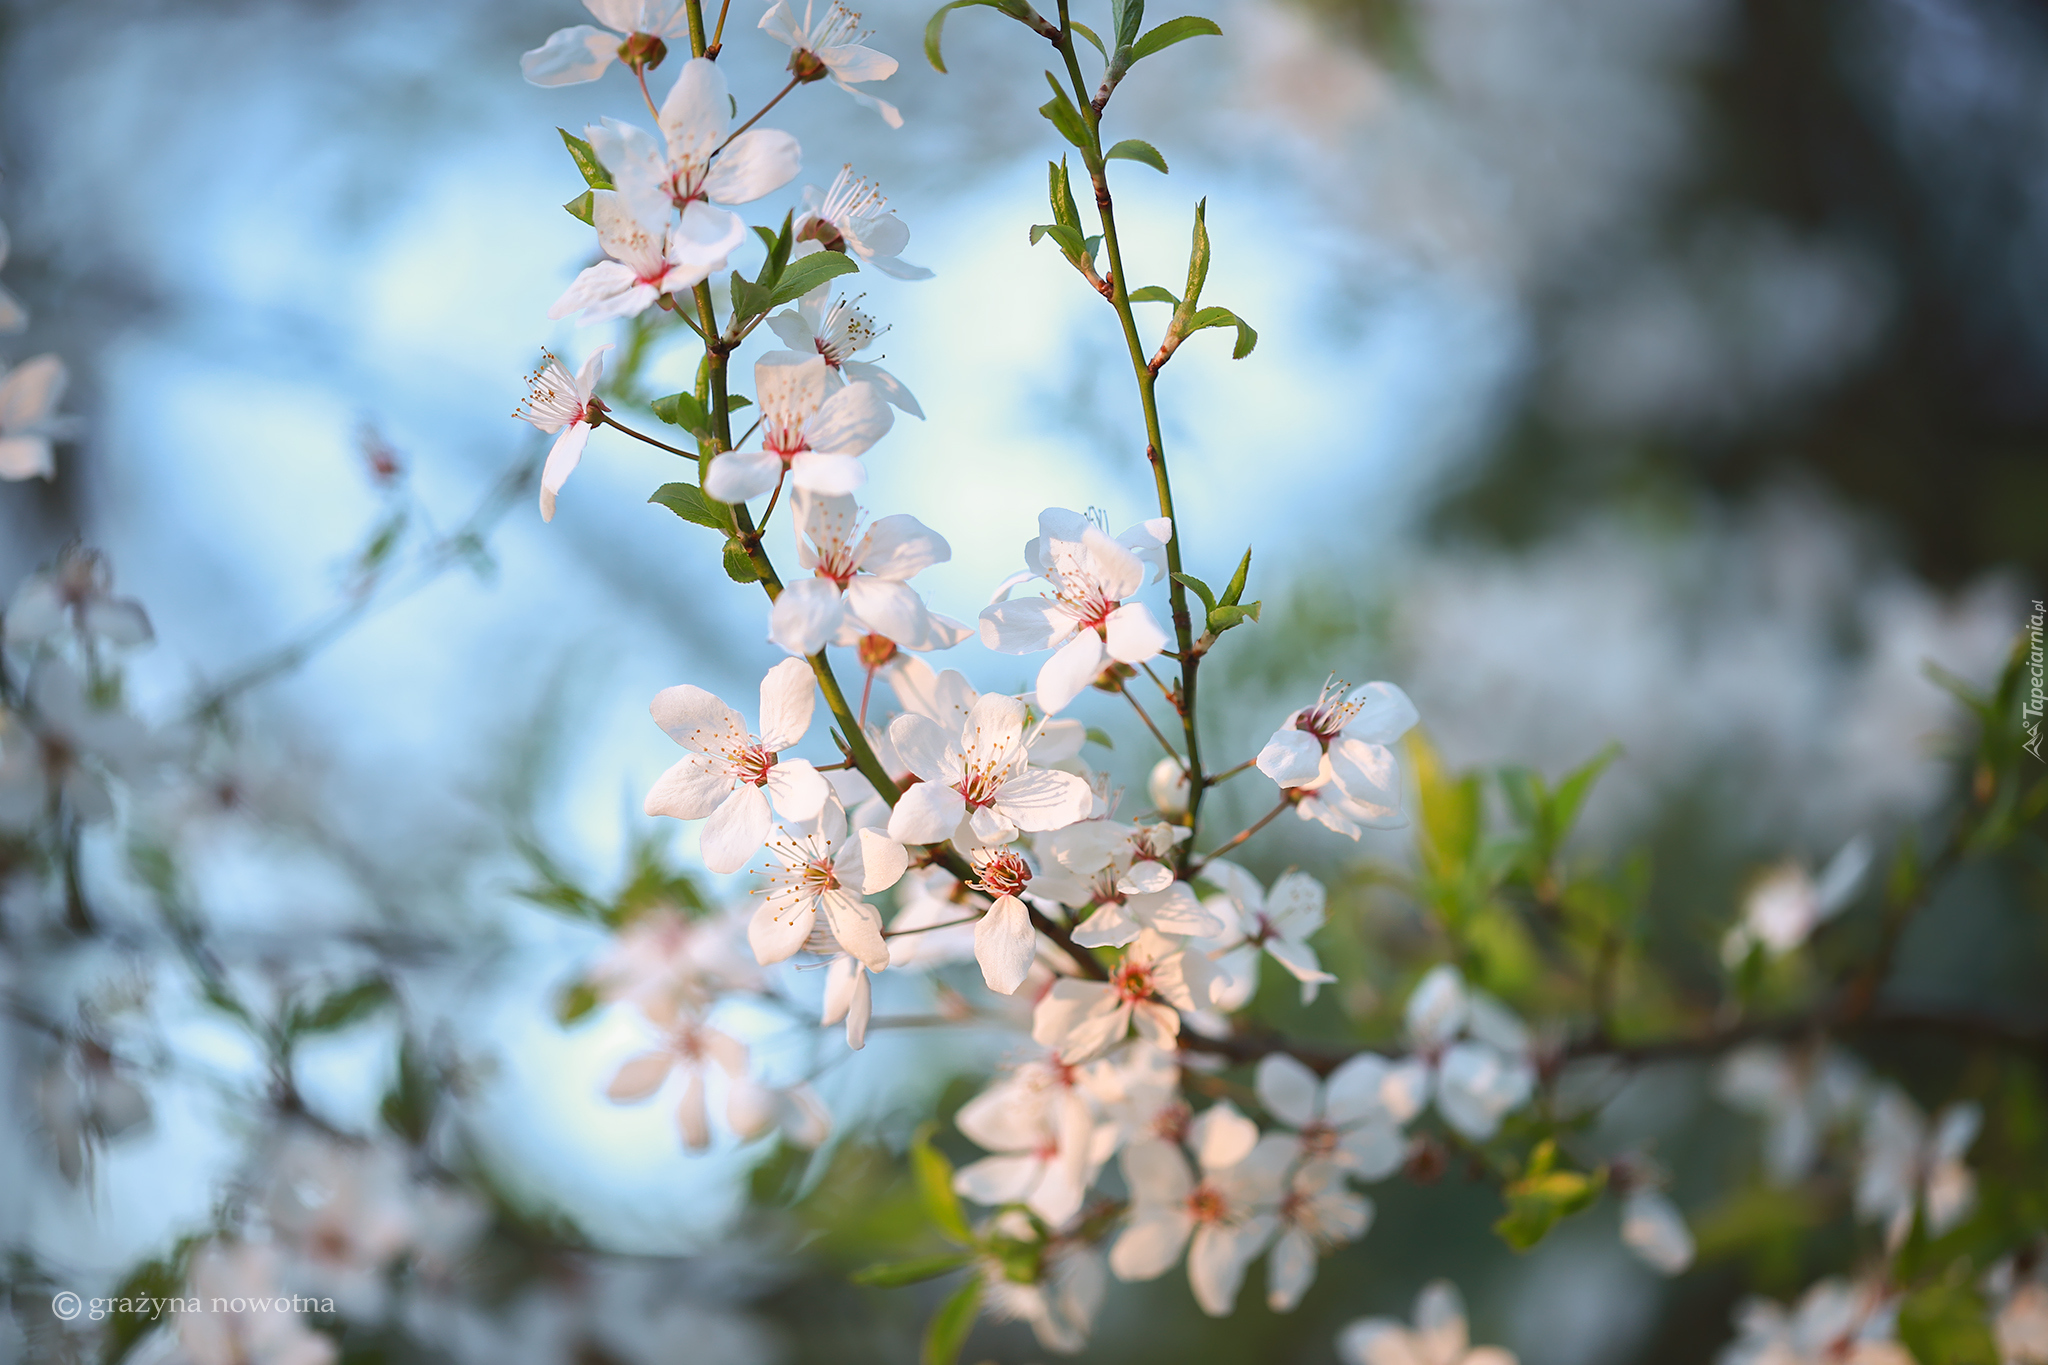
(344, 1007)
(689, 502)
(1070, 241)
(583, 206)
(891, 1274)
(808, 272)
(1126, 17)
(1544, 1195)
(1132, 149)
(934, 1176)
(1101, 737)
(1235, 590)
(1061, 113)
(1223, 317)
(1089, 34)
(1060, 190)
(1174, 31)
(779, 245)
(1947, 1324)
(947, 1335)
(739, 565)
(1223, 618)
(576, 1000)
(1152, 293)
(1016, 9)
(683, 410)
(734, 402)
(593, 171)
(1198, 588)
(1198, 274)
(749, 300)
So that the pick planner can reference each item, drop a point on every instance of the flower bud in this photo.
(642, 51)
(1169, 787)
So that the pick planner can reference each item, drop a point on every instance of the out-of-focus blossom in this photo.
(85, 1100)
(687, 1045)
(753, 1108)
(1277, 922)
(77, 593)
(345, 1212)
(1653, 1228)
(581, 53)
(933, 897)
(1905, 1167)
(828, 45)
(1122, 876)
(1060, 1302)
(253, 1326)
(1801, 1095)
(1317, 1213)
(1439, 1336)
(67, 748)
(1087, 622)
(1046, 1142)
(1168, 786)
(557, 401)
(1834, 1323)
(733, 776)
(862, 572)
(1787, 904)
(1347, 1120)
(662, 954)
(2018, 1290)
(1346, 741)
(853, 217)
(29, 423)
(811, 436)
(1472, 1056)
(1224, 1218)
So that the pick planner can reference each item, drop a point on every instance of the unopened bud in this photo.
(1112, 679)
(642, 51)
(1168, 787)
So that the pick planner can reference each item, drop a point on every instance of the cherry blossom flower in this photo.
(71, 749)
(865, 571)
(1147, 989)
(1906, 1167)
(733, 776)
(1439, 1336)
(1120, 874)
(694, 166)
(837, 330)
(1317, 1214)
(1347, 1121)
(648, 259)
(853, 217)
(1086, 622)
(814, 438)
(558, 402)
(979, 775)
(1653, 1228)
(1058, 1292)
(688, 1045)
(1800, 1095)
(1835, 1323)
(1004, 941)
(346, 1211)
(28, 418)
(829, 45)
(581, 53)
(1472, 1056)
(1224, 1219)
(254, 1325)
(1279, 921)
(13, 317)
(753, 1108)
(1345, 741)
(77, 593)
(826, 870)
(1047, 1142)
(84, 1100)
(1787, 904)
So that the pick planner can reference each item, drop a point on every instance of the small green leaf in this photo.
(688, 501)
(1132, 149)
(1174, 31)
(1069, 240)
(1223, 317)
(1060, 190)
(593, 171)
(1182, 321)
(583, 206)
(577, 1000)
(808, 272)
(1089, 34)
(1061, 113)
(1101, 737)
(1544, 1195)
(891, 1274)
(935, 1187)
(1126, 17)
(1016, 9)
(947, 1335)
(739, 565)
(749, 300)
(734, 402)
(779, 245)
(683, 410)
(1152, 293)
(1235, 589)
(1199, 588)
(344, 1007)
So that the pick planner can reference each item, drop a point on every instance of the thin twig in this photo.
(1157, 733)
(793, 83)
(1246, 833)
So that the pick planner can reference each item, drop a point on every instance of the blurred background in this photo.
(1668, 372)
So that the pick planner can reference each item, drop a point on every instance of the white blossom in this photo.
(1653, 1228)
(1123, 876)
(1904, 1166)
(829, 45)
(935, 920)
(1087, 622)
(1045, 1137)
(346, 1211)
(1351, 1121)
(581, 53)
(825, 869)
(1346, 741)
(838, 330)
(979, 775)
(1061, 1303)
(1147, 989)
(662, 954)
(1278, 922)
(263, 1330)
(1835, 1323)
(753, 1108)
(1224, 1218)
(856, 571)
(28, 418)
(649, 258)
(733, 776)
(1168, 786)
(1800, 1096)
(1439, 1336)
(812, 436)
(1786, 904)
(1472, 1056)
(556, 401)
(1318, 1213)
(70, 748)
(687, 1046)
(78, 594)
(852, 216)
(1004, 941)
